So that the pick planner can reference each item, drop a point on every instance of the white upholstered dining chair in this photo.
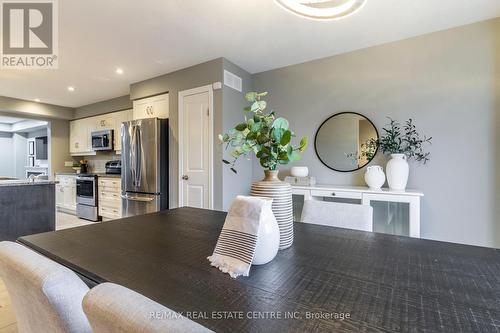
(46, 296)
(334, 214)
(112, 308)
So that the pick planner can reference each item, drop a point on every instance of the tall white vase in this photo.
(281, 193)
(397, 172)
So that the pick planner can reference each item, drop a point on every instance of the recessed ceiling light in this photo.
(71, 88)
(37, 100)
(119, 71)
(322, 9)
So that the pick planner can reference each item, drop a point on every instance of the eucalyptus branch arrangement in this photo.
(405, 139)
(268, 137)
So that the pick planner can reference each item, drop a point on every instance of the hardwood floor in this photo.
(7, 316)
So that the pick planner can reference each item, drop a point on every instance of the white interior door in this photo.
(195, 149)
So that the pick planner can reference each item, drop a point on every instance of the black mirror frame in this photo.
(324, 122)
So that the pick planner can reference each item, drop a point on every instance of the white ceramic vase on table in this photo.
(268, 239)
(281, 193)
(398, 171)
(375, 177)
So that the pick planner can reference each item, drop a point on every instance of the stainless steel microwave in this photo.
(102, 140)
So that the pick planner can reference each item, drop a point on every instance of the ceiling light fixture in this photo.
(70, 88)
(322, 9)
(119, 71)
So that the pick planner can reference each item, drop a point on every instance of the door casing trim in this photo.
(180, 130)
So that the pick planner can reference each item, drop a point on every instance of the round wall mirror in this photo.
(346, 142)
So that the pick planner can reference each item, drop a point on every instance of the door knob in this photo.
(185, 177)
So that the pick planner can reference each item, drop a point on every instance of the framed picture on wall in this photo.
(31, 148)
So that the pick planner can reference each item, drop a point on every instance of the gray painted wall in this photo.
(59, 145)
(189, 78)
(494, 191)
(7, 158)
(20, 148)
(111, 105)
(449, 83)
(233, 114)
(228, 110)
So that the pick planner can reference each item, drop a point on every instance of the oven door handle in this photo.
(137, 198)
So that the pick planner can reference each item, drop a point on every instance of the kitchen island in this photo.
(26, 207)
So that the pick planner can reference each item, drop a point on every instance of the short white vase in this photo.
(268, 239)
(397, 172)
(375, 177)
(299, 171)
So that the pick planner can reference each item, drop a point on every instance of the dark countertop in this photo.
(108, 175)
(25, 182)
(384, 283)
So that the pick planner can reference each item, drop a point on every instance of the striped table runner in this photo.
(235, 248)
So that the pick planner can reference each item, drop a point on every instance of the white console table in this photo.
(366, 196)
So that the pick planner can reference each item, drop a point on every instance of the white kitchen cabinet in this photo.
(80, 131)
(151, 107)
(66, 193)
(103, 122)
(120, 117)
(110, 202)
(59, 195)
(78, 137)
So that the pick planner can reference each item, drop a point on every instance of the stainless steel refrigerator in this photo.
(144, 166)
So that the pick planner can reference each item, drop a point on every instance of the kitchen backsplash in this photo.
(97, 163)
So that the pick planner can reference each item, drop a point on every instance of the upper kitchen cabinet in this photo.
(151, 107)
(104, 122)
(120, 117)
(79, 137)
(81, 131)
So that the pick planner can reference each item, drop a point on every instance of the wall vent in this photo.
(233, 81)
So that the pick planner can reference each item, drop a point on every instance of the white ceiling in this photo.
(153, 37)
(15, 125)
(10, 120)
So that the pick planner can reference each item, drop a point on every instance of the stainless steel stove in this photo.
(86, 197)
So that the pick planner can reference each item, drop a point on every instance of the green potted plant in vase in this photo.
(270, 139)
(402, 143)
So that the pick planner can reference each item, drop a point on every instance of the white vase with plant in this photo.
(402, 143)
(270, 139)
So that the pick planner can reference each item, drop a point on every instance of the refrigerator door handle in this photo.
(133, 154)
(138, 157)
(137, 198)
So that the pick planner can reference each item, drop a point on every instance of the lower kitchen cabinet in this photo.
(66, 193)
(110, 202)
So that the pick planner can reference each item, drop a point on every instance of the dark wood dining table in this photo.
(330, 280)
